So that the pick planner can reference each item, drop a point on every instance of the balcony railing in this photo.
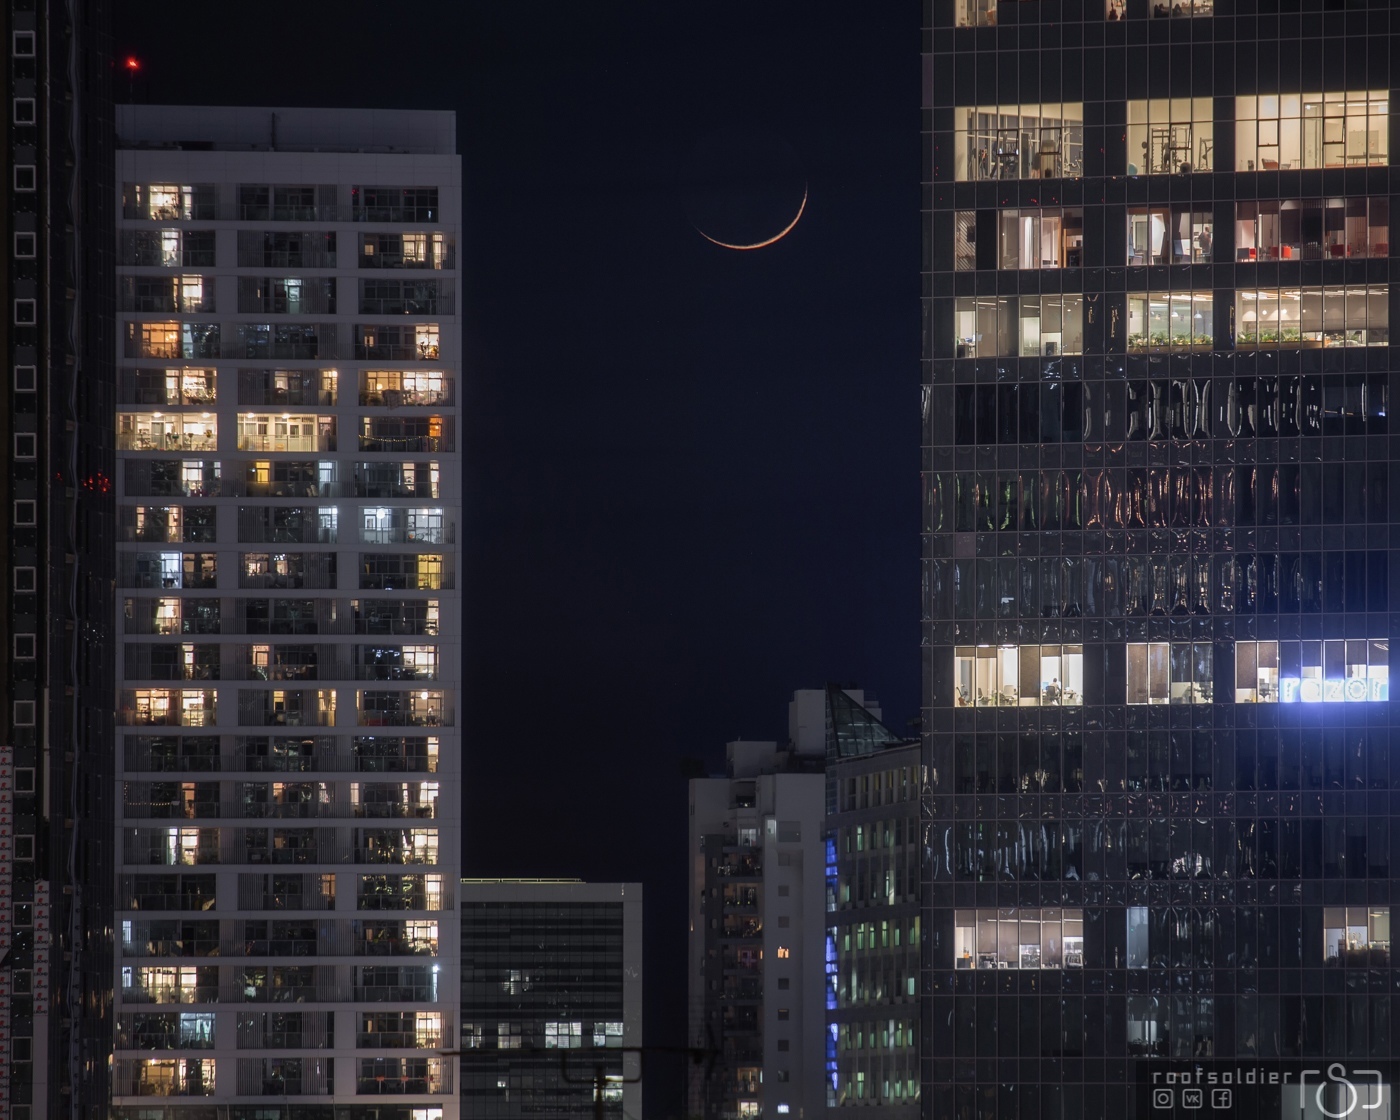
(323, 761)
(408, 398)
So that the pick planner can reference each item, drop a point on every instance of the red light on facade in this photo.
(132, 62)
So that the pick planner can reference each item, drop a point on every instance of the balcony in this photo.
(168, 709)
(377, 532)
(161, 1077)
(397, 389)
(172, 994)
(261, 709)
(401, 1076)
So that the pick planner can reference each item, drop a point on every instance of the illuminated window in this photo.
(1042, 238)
(1331, 671)
(397, 572)
(1356, 935)
(1170, 672)
(172, 340)
(419, 708)
(1176, 321)
(168, 201)
(395, 388)
(1312, 229)
(167, 431)
(1288, 131)
(1019, 141)
(1169, 136)
(1018, 676)
(427, 1032)
(404, 250)
(168, 984)
(1018, 938)
(397, 799)
(1311, 318)
(164, 1077)
(282, 431)
(1256, 672)
(965, 240)
(1005, 326)
(1170, 235)
(1176, 9)
(784, 953)
(563, 1036)
(607, 1034)
(397, 525)
(977, 13)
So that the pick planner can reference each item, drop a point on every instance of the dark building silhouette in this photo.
(56, 614)
(551, 998)
(1161, 500)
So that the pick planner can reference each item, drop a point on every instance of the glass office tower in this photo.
(56, 641)
(1158, 826)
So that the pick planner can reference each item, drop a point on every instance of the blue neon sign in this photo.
(1334, 690)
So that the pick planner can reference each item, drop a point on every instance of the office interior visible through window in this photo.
(1160, 321)
(1311, 318)
(1312, 229)
(1044, 141)
(1283, 132)
(1170, 136)
(1018, 938)
(1047, 237)
(1169, 235)
(1019, 676)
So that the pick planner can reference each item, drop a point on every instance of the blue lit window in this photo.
(1333, 671)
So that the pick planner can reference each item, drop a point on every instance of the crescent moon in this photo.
(760, 244)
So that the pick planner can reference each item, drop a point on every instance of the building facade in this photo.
(289, 492)
(873, 920)
(1160, 492)
(757, 926)
(551, 999)
(56, 637)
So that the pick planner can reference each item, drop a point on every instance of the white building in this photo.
(758, 925)
(289, 492)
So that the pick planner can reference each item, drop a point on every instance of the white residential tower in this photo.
(289, 497)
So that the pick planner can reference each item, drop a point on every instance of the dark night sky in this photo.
(691, 473)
